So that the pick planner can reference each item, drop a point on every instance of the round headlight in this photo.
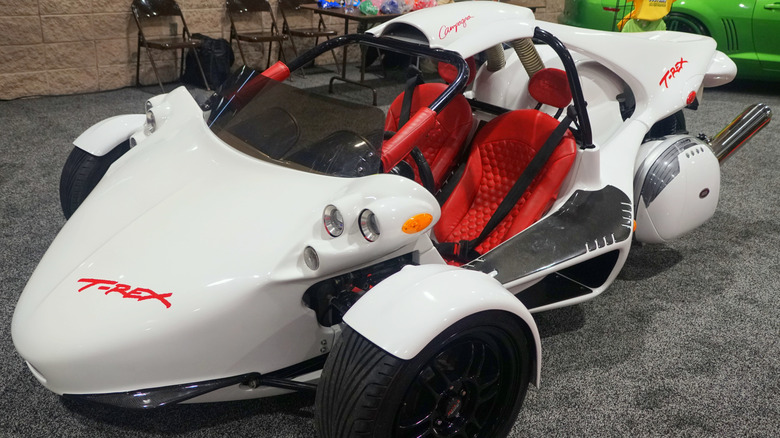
(334, 222)
(368, 225)
(311, 258)
(151, 124)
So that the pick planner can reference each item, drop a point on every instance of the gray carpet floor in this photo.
(685, 343)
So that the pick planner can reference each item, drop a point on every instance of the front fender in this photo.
(404, 313)
(103, 136)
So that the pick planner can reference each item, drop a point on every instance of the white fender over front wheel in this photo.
(102, 137)
(470, 380)
(403, 313)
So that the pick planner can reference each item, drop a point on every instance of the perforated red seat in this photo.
(500, 152)
(442, 145)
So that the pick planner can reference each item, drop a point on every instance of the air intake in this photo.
(732, 37)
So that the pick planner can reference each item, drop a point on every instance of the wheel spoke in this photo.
(436, 367)
(484, 384)
(477, 361)
(427, 376)
(417, 424)
(472, 426)
(487, 391)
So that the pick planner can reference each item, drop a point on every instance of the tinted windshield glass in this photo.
(276, 122)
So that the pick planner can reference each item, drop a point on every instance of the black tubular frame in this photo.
(388, 43)
(580, 105)
(459, 84)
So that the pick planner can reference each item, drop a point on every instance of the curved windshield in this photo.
(276, 122)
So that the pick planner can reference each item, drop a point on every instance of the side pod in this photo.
(404, 313)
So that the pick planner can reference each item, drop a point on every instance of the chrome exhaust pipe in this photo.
(736, 133)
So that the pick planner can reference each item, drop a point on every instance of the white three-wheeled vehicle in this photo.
(274, 239)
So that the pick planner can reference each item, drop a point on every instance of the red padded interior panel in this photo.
(442, 144)
(500, 152)
(550, 86)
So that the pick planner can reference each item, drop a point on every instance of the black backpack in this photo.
(216, 57)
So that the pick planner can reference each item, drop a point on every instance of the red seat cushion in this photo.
(442, 145)
(500, 152)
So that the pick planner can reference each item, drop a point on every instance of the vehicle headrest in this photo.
(550, 87)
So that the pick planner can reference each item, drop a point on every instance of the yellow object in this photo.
(649, 10)
(652, 10)
(417, 223)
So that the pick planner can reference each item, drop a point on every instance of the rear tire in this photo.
(82, 172)
(470, 381)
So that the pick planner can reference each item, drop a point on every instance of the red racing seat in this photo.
(500, 152)
(442, 145)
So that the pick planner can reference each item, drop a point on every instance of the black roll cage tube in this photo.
(459, 84)
(396, 45)
(586, 132)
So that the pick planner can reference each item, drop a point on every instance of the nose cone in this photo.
(158, 280)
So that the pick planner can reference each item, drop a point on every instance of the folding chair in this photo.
(321, 31)
(144, 11)
(238, 9)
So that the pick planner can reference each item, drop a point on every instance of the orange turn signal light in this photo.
(417, 223)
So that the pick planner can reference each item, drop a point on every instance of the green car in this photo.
(747, 31)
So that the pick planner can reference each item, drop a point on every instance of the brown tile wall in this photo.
(51, 47)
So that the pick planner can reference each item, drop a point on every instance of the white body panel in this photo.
(680, 61)
(103, 136)
(466, 29)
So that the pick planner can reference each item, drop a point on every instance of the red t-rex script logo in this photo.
(126, 291)
(672, 72)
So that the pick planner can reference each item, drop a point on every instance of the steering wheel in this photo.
(423, 169)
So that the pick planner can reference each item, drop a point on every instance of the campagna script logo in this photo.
(672, 72)
(126, 291)
(446, 30)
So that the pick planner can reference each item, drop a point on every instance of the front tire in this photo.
(470, 381)
(82, 172)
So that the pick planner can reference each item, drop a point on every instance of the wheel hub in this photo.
(453, 410)
(453, 407)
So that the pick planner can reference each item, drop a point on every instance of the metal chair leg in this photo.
(138, 63)
(270, 49)
(295, 52)
(335, 59)
(154, 67)
(200, 67)
(240, 51)
(280, 56)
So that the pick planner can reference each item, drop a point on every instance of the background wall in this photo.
(51, 47)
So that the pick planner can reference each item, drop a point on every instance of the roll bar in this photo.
(578, 98)
(393, 44)
(459, 84)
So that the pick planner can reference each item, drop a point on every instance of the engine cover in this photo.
(676, 187)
